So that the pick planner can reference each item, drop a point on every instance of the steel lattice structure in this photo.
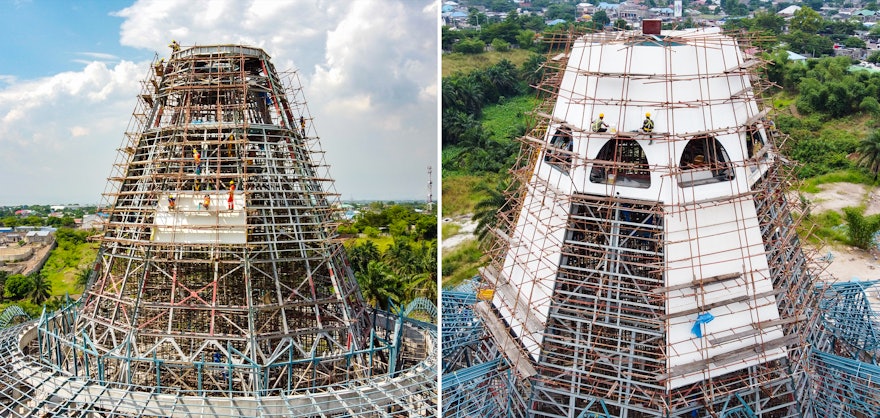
(220, 287)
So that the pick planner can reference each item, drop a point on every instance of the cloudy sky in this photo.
(70, 74)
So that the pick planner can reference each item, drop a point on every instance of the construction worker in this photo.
(172, 202)
(647, 124)
(197, 158)
(174, 46)
(302, 125)
(206, 202)
(229, 202)
(599, 125)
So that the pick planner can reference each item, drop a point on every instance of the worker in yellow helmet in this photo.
(647, 124)
(174, 46)
(599, 125)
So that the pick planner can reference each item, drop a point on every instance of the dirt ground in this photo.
(836, 196)
(848, 263)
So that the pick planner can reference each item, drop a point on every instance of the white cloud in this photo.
(76, 131)
(368, 68)
(99, 56)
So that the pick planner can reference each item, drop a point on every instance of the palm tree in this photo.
(379, 285)
(41, 289)
(82, 278)
(398, 256)
(423, 282)
(488, 211)
(360, 255)
(869, 153)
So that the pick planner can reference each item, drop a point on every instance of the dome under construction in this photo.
(220, 287)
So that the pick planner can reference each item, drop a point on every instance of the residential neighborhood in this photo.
(845, 28)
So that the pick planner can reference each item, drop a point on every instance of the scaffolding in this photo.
(220, 276)
(652, 269)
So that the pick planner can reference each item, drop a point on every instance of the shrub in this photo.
(861, 228)
(469, 46)
(500, 45)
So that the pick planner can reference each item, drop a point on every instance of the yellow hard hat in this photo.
(601, 115)
(231, 182)
(648, 115)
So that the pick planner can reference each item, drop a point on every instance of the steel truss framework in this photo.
(846, 354)
(220, 274)
(477, 380)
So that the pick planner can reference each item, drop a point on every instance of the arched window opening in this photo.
(558, 154)
(621, 161)
(704, 161)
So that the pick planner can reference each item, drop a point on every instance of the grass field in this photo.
(382, 242)
(457, 62)
(462, 263)
(65, 263)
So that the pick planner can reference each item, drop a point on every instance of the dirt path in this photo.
(466, 232)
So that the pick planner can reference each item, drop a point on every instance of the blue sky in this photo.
(42, 38)
(70, 74)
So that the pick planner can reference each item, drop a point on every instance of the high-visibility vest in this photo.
(598, 125)
(648, 125)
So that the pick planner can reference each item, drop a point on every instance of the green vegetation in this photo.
(399, 264)
(861, 228)
(59, 276)
(811, 185)
(459, 63)
(462, 192)
(462, 263)
(73, 255)
(823, 228)
(448, 230)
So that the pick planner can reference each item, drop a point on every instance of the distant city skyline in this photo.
(72, 71)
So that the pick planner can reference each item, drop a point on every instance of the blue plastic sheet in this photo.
(703, 318)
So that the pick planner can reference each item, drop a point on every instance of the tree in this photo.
(854, 42)
(82, 278)
(379, 285)
(488, 210)
(769, 22)
(3, 276)
(18, 286)
(564, 11)
(870, 105)
(41, 289)
(475, 18)
(500, 45)
(532, 69)
(874, 57)
(360, 255)
(806, 20)
(600, 19)
(499, 80)
(869, 153)
(469, 46)
(424, 281)
(525, 39)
